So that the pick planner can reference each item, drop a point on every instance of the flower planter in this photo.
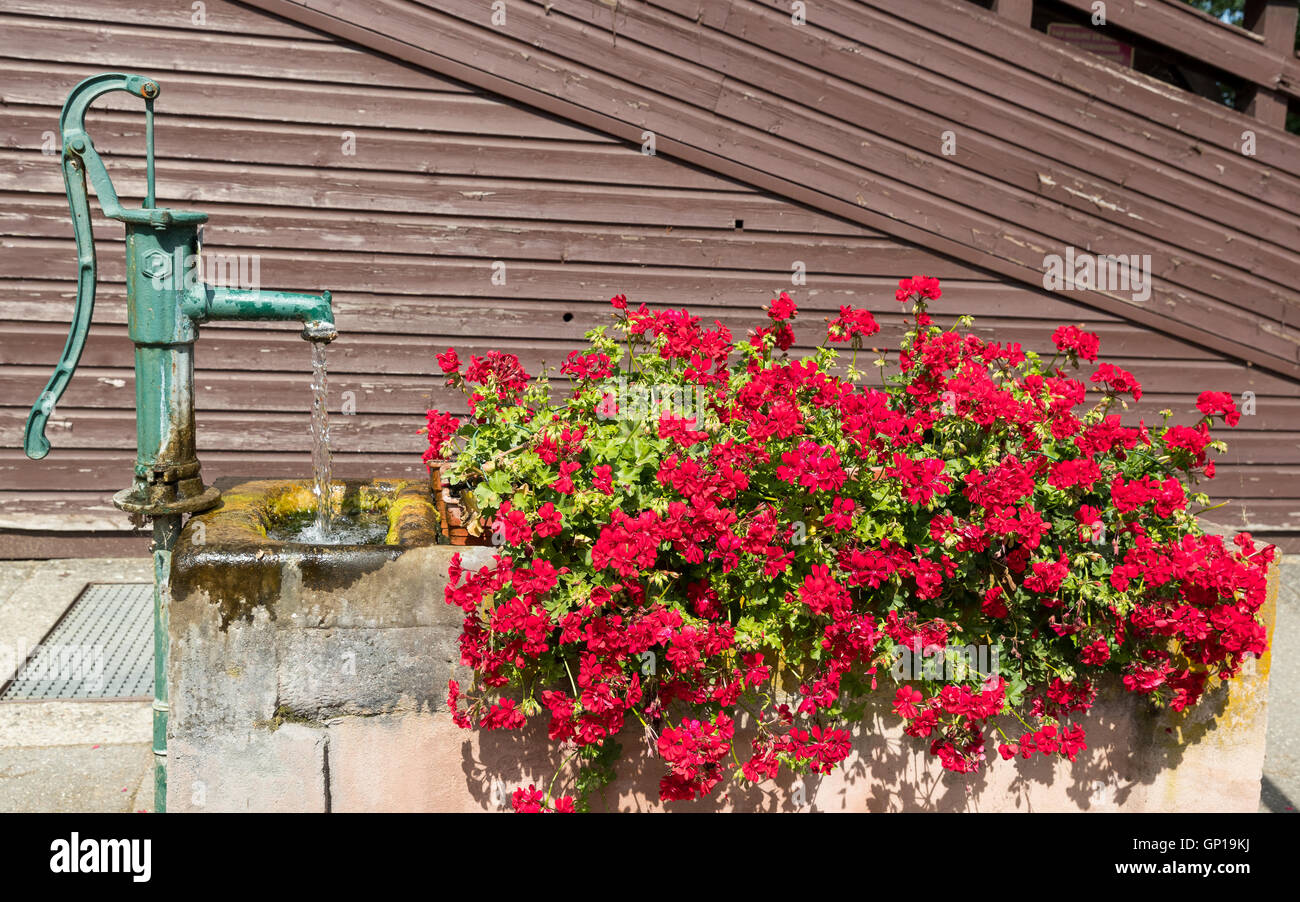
(455, 511)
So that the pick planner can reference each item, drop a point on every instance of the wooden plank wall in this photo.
(847, 112)
(444, 183)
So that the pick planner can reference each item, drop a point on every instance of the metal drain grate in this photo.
(102, 647)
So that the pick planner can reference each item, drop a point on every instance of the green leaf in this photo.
(1016, 687)
(499, 482)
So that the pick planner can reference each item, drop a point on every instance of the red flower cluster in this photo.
(1118, 380)
(533, 801)
(925, 287)
(498, 372)
(694, 753)
(440, 427)
(591, 365)
(852, 324)
(1072, 339)
(812, 466)
(1218, 403)
(735, 574)
(782, 308)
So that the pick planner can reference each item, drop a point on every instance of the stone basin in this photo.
(228, 554)
(313, 678)
(271, 640)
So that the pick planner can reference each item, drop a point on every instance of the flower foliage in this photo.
(733, 547)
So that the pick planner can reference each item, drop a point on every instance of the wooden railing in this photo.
(1262, 54)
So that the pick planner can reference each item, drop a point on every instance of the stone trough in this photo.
(313, 678)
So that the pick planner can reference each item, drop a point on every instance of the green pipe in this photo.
(166, 529)
(314, 311)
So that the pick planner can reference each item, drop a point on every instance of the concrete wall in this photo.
(333, 700)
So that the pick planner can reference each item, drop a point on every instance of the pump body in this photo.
(166, 303)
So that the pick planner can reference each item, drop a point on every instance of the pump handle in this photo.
(79, 160)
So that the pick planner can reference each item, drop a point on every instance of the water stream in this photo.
(322, 460)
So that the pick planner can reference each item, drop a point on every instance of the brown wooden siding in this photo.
(446, 180)
(735, 88)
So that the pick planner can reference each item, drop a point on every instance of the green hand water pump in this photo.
(165, 303)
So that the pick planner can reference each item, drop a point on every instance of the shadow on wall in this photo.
(1273, 799)
(1138, 758)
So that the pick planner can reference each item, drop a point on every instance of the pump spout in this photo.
(314, 311)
